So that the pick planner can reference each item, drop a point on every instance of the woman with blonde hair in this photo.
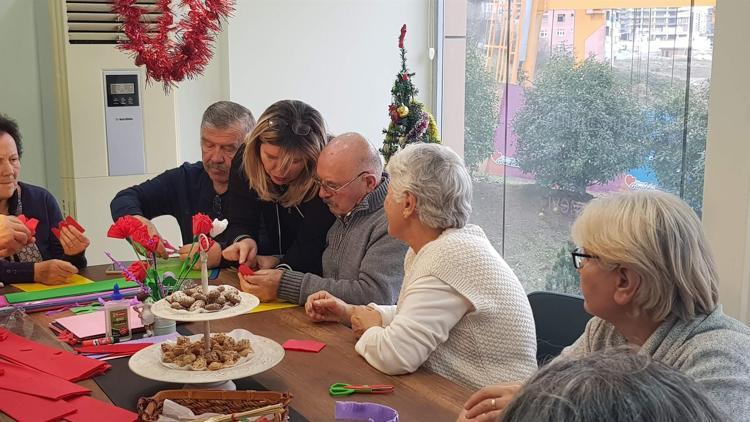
(272, 182)
(650, 280)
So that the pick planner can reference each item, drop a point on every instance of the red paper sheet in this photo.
(28, 408)
(304, 345)
(28, 381)
(59, 363)
(120, 349)
(89, 409)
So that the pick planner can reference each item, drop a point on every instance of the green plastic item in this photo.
(81, 289)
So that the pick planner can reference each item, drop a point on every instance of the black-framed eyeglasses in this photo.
(332, 190)
(579, 257)
(298, 128)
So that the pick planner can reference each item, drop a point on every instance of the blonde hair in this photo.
(660, 237)
(294, 114)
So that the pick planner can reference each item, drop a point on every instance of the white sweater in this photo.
(461, 311)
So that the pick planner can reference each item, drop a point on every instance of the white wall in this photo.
(194, 96)
(339, 56)
(726, 200)
(19, 90)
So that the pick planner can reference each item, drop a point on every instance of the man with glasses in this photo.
(193, 187)
(362, 263)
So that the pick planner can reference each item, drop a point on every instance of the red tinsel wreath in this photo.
(172, 59)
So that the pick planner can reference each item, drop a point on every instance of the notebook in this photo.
(91, 325)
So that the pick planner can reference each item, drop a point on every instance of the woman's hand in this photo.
(488, 403)
(323, 306)
(53, 271)
(243, 252)
(73, 241)
(14, 235)
(364, 317)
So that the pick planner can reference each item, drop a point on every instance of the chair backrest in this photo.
(559, 319)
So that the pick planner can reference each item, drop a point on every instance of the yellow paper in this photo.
(272, 306)
(73, 280)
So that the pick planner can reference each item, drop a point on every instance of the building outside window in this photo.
(564, 123)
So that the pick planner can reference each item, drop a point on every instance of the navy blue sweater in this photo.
(40, 204)
(180, 192)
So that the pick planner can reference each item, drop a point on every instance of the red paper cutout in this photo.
(28, 381)
(52, 361)
(75, 224)
(304, 345)
(89, 409)
(25, 407)
(30, 223)
(245, 270)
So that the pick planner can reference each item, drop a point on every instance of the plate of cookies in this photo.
(261, 354)
(226, 350)
(193, 305)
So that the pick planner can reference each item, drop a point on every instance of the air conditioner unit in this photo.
(113, 130)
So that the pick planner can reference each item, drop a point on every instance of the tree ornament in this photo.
(177, 50)
(409, 120)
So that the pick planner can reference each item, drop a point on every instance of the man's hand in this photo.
(14, 235)
(214, 254)
(73, 241)
(161, 251)
(243, 252)
(323, 306)
(364, 317)
(488, 403)
(53, 271)
(264, 284)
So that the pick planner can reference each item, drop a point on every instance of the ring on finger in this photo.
(492, 404)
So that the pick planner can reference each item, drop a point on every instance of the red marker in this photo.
(99, 341)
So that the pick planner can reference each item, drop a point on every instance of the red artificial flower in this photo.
(404, 77)
(124, 227)
(401, 38)
(137, 270)
(141, 237)
(202, 224)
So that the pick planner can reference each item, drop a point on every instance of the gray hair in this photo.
(614, 384)
(226, 114)
(438, 179)
(659, 237)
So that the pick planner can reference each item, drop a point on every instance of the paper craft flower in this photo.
(218, 227)
(137, 271)
(201, 224)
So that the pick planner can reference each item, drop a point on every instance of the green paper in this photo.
(81, 289)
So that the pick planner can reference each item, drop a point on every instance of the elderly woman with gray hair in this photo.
(461, 311)
(649, 278)
(613, 385)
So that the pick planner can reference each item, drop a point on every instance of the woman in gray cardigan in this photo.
(650, 280)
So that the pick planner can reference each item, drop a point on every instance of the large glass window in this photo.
(566, 105)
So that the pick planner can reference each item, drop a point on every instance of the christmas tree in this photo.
(410, 122)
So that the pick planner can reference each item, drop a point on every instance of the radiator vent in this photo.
(93, 22)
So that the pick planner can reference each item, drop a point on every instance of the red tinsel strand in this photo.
(166, 60)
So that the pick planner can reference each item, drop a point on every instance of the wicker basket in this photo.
(213, 401)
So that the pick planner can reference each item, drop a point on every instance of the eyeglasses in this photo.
(298, 128)
(332, 190)
(579, 257)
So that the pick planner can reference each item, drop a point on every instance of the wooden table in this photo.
(419, 396)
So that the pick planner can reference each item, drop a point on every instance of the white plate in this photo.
(266, 354)
(237, 334)
(163, 309)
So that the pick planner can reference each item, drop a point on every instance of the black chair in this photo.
(559, 319)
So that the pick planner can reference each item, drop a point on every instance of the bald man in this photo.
(362, 263)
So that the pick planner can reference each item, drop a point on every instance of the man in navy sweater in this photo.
(193, 187)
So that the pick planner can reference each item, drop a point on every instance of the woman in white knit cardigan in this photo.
(461, 311)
